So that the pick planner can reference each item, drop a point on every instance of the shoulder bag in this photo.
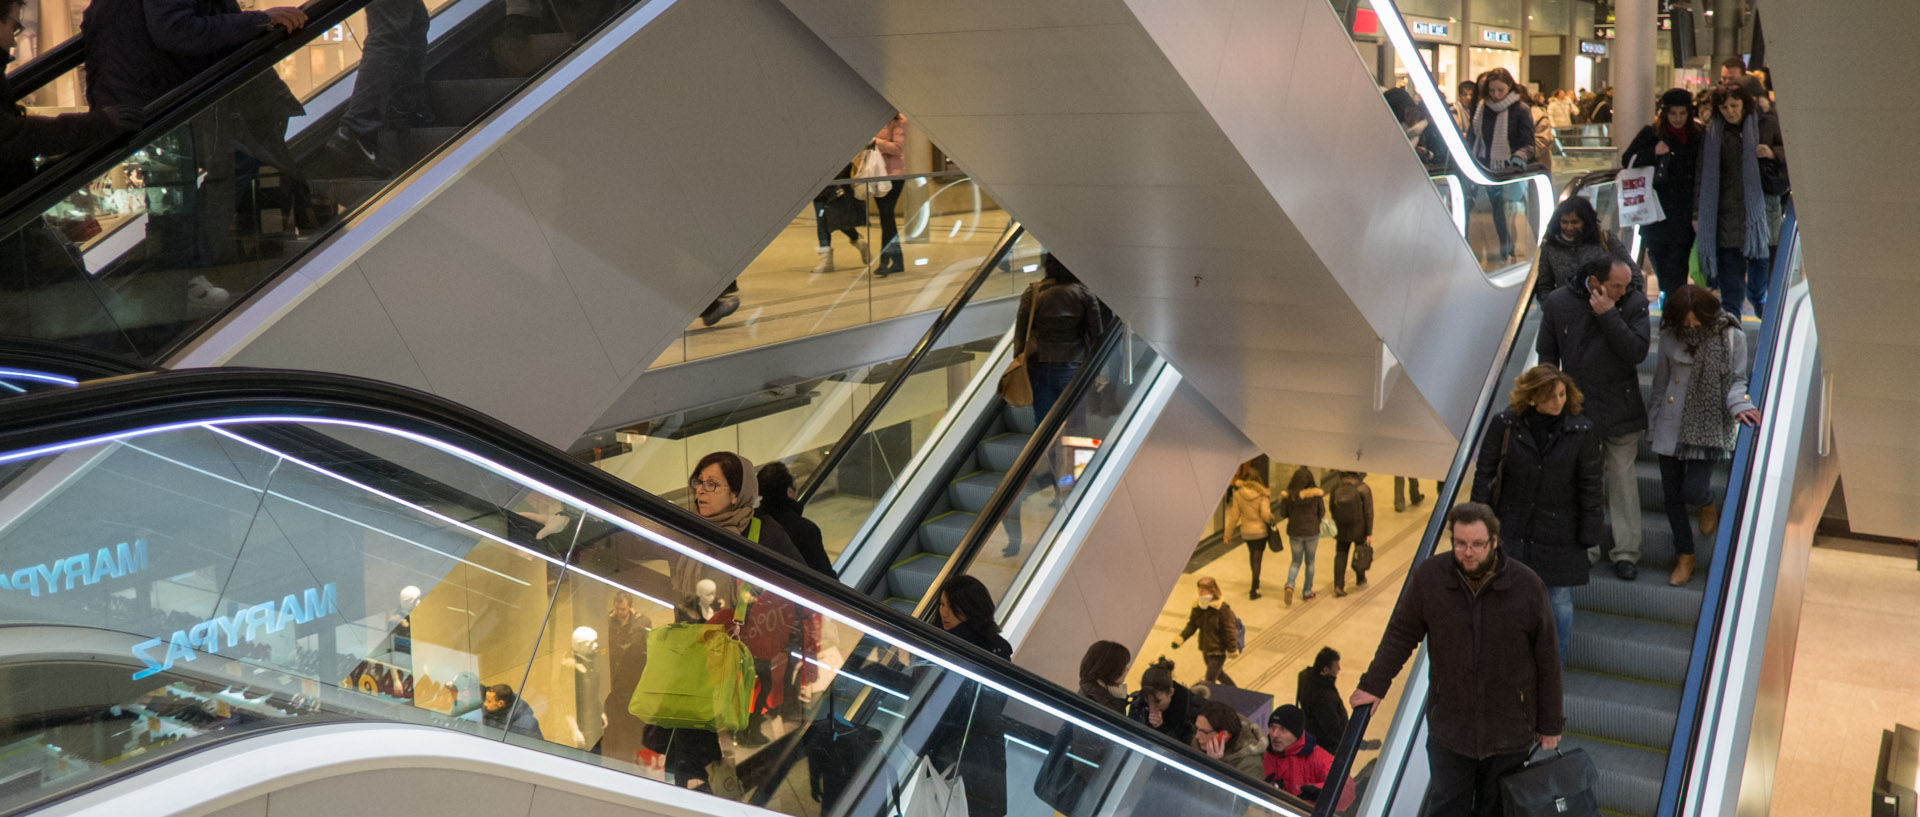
(1015, 387)
(1500, 471)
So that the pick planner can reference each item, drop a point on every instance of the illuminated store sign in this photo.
(244, 625)
(83, 569)
(1423, 28)
(1593, 49)
(1502, 37)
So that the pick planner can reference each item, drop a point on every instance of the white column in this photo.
(1634, 23)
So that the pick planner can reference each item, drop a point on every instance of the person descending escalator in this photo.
(1540, 469)
(1739, 153)
(1297, 763)
(23, 137)
(1574, 240)
(1057, 328)
(1225, 735)
(971, 733)
(778, 501)
(1699, 392)
(1502, 139)
(1421, 133)
(1318, 696)
(1671, 145)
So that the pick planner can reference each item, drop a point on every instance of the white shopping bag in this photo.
(870, 165)
(930, 793)
(1639, 205)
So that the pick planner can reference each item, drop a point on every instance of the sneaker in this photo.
(356, 151)
(203, 298)
(1309, 596)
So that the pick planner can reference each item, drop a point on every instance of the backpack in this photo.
(1239, 630)
(1345, 501)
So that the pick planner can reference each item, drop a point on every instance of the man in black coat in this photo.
(1319, 697)
(1494, 669)
(1596, 328)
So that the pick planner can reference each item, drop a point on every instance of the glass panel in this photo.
(191, 221)
(251, 575)
(1502, 219)
(945, 226)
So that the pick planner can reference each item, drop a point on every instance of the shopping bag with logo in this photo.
(697, 677)
(1558, 786)
(930, 793)
(870, 165)
(1637, 202)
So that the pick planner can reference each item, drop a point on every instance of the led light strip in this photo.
(741, 573)
(42, 377)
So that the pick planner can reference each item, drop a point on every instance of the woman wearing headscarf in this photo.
(1732, 212)
(724, 491)
(1502, 134)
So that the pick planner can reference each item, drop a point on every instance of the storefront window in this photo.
(1504, 13)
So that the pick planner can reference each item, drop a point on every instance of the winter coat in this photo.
(1352, 509)
(1249, 513)
(1731, 222)
(138, 50)
(972, 732)
(1553, 502)
(1560, 113)
(805, 535)
(1243, 754)
(1301, 769)
(1493, 657)
(1099, 694)
(1674, 183)
(1325, 707)
(1562, 261)
(1673, 373)
(891, 142)
(1601, 352)
(1304, 512)
(1176, 721)
(23, 137)
(1067, 323)
(1519, 134)
(1214, 622)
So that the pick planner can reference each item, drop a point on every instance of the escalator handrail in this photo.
(65, 359)
(1039, 444)
(173, 109)
(878, 402)
(1476, 427)
(1342, 769)
(45, 67)
(1719, 582)
(191, 396)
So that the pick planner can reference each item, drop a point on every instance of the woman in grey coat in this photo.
(1699, 392)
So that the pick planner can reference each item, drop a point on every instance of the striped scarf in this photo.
(1493, 151)
(1706, 237)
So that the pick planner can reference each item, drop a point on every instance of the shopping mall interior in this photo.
(900, 409)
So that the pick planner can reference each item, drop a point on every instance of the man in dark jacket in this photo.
(1596, 329)
(1494, 667)
(777, 501)
(1350, 503)
(24, 137)
(1319, 697)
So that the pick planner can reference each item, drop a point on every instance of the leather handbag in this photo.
(1558, 786)
(1015, 387)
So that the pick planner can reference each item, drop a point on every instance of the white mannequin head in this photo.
(707, 591)
(409, 598)
(585, 639)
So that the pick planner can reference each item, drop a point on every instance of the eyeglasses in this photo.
(711, 486)
(1462, 544)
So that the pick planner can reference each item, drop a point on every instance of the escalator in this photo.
(210, 557)
(1643, 652)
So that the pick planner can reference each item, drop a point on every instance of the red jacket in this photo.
(1302, 764)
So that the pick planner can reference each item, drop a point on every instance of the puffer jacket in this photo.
(1249, 512)
(1063, 321)
(1301, 769)
(1304, 512)
(1245, 754)
(1553, 505)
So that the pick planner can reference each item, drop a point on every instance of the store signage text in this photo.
(82, 568)
(1497, 36)
(1633, 191)
(1593, 49)
(1422, 28)
(244, 625)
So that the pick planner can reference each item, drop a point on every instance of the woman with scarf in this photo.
(1502, 134)
(1699, 392)
(1731, 215)
(1671, 145)
(1574, 241)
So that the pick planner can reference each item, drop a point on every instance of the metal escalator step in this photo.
(971, 492)
(1001, 451)
(943, 534)
(912, 577)
(1648, 597)
(1019, 420)
(1621, 710)
(1630, 647)
(905, 606)
(1629, 777)
(1656, 545)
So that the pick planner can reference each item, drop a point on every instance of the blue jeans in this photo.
(1303, 547)
(1684, 486)
(1562, 599)
(1740, 278)
(1048, 380)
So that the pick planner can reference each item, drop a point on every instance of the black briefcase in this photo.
(1558, 786)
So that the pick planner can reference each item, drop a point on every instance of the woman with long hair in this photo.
(1671, 145)
(1573, 241)
(1540, 470)
(1304, 505)
(1699, 392)
(1250, 518)
(971, 732)
(1103, 674)
(1502, 139)
(1732, 231)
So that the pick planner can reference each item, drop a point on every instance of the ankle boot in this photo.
(866, 250)
(1709, 519)
(826, 260)
(1682, 571)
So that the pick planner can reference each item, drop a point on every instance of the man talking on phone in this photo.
(1494, 664)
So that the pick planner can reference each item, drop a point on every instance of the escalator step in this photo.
(912, 577)
(971, 492)
(1620, 710)
(464, 100)
(943, 534)
(1019, 420)
(1629, 777)
(1649, 597)
(905, 606)
(1001, 451)
(1631, 648)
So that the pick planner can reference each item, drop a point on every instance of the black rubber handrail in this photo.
(842, 447)
(203, 395)
(54, 357)
(170, 111)
(1039, 444)
(1342, 769)
(46, 67)
(1719, 582)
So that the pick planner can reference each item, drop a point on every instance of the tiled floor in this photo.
(1856, 671)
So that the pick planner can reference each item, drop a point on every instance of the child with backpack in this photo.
(1220, 630)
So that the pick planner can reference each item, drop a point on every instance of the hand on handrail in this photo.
(290, 18)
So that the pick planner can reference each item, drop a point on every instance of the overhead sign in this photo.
(1593, 49)
(1495, 37)
(1433, 29)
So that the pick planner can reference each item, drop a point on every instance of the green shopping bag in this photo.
(697, 677)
